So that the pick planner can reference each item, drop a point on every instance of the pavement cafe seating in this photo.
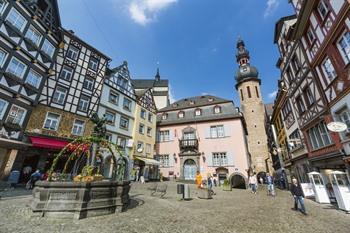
(319, 188)
(341, 187)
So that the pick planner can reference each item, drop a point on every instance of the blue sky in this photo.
(191, 41)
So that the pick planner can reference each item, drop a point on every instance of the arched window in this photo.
(164, 116)
(257, 92)
(181, 114)
(198, 112)
(241, 94)
(249, 94)
(217, 109)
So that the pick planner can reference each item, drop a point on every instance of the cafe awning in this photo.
(48, 143)
(148, 161)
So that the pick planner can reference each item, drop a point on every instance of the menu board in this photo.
(307, 189)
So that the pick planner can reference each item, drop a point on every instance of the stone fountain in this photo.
(80, 190)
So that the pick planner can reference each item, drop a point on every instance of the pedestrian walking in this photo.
(270, 185)
(253, 182)
(199, 179)
(33, 178)
(137, 172)
(214, 181)
(298, 195)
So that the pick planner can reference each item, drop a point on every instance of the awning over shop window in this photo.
(149, 161)
(48, 143)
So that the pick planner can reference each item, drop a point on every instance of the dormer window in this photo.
(210, 99)
(174, 105)
(164, 116)
(192, 102)
(198, 112)
(181, 114)
(217, 109)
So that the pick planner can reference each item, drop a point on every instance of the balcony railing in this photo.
(188, 144)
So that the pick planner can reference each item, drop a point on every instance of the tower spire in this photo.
(157, 75)
(242, 54)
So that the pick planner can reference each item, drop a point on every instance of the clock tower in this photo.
(253, 109)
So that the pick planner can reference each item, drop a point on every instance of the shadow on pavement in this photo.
(135, 202)
(11, 193)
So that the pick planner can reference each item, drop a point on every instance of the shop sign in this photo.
(337, 126)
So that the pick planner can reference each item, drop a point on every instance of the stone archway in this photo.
(238, 180)
(261, 175)
(190, 169)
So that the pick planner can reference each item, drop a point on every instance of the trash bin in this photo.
(187, 192)
(180, 189)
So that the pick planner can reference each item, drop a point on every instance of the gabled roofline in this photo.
(278, 26)
(70, 34)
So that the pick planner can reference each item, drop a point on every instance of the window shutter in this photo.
(158, 136)
(230, 160)
(209, 160)
(227, 130)
(171, 160)
(207, 132)
(171, 135)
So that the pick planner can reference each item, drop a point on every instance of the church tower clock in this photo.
(253, 109)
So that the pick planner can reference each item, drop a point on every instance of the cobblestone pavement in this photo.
(237, 211)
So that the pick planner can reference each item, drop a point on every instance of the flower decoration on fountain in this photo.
(85, 157)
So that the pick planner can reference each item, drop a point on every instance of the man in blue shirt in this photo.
(270, 185)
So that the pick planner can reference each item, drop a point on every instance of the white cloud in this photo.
(145, 11)
(271, 6)
(171, 95)
(272, 95)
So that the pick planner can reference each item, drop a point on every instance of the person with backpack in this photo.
(34, 178)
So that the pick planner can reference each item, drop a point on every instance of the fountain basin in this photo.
(80, 199)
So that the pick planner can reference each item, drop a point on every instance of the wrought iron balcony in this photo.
(188, 144)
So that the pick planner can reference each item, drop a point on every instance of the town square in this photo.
(174, 116)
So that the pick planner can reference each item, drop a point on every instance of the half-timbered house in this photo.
(29, 37)
(323, 30)
(68, 99)
(299, 99)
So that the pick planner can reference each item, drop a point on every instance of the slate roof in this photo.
(160, 93)
(279, 25)
(149, 83)
(196, 101)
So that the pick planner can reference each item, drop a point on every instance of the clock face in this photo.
(244, 69)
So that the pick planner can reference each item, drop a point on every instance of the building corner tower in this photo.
(252, 106)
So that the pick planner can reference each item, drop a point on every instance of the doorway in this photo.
(190, 169)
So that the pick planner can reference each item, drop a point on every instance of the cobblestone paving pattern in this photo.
(237, 211)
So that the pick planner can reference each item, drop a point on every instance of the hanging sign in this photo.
(337, 126)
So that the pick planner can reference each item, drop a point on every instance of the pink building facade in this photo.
(205, 134)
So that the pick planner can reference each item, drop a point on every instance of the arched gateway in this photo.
(238, 180)
(190, 169)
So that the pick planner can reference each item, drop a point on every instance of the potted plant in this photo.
(227, 186)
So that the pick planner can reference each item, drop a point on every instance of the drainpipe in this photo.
(279, 149)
